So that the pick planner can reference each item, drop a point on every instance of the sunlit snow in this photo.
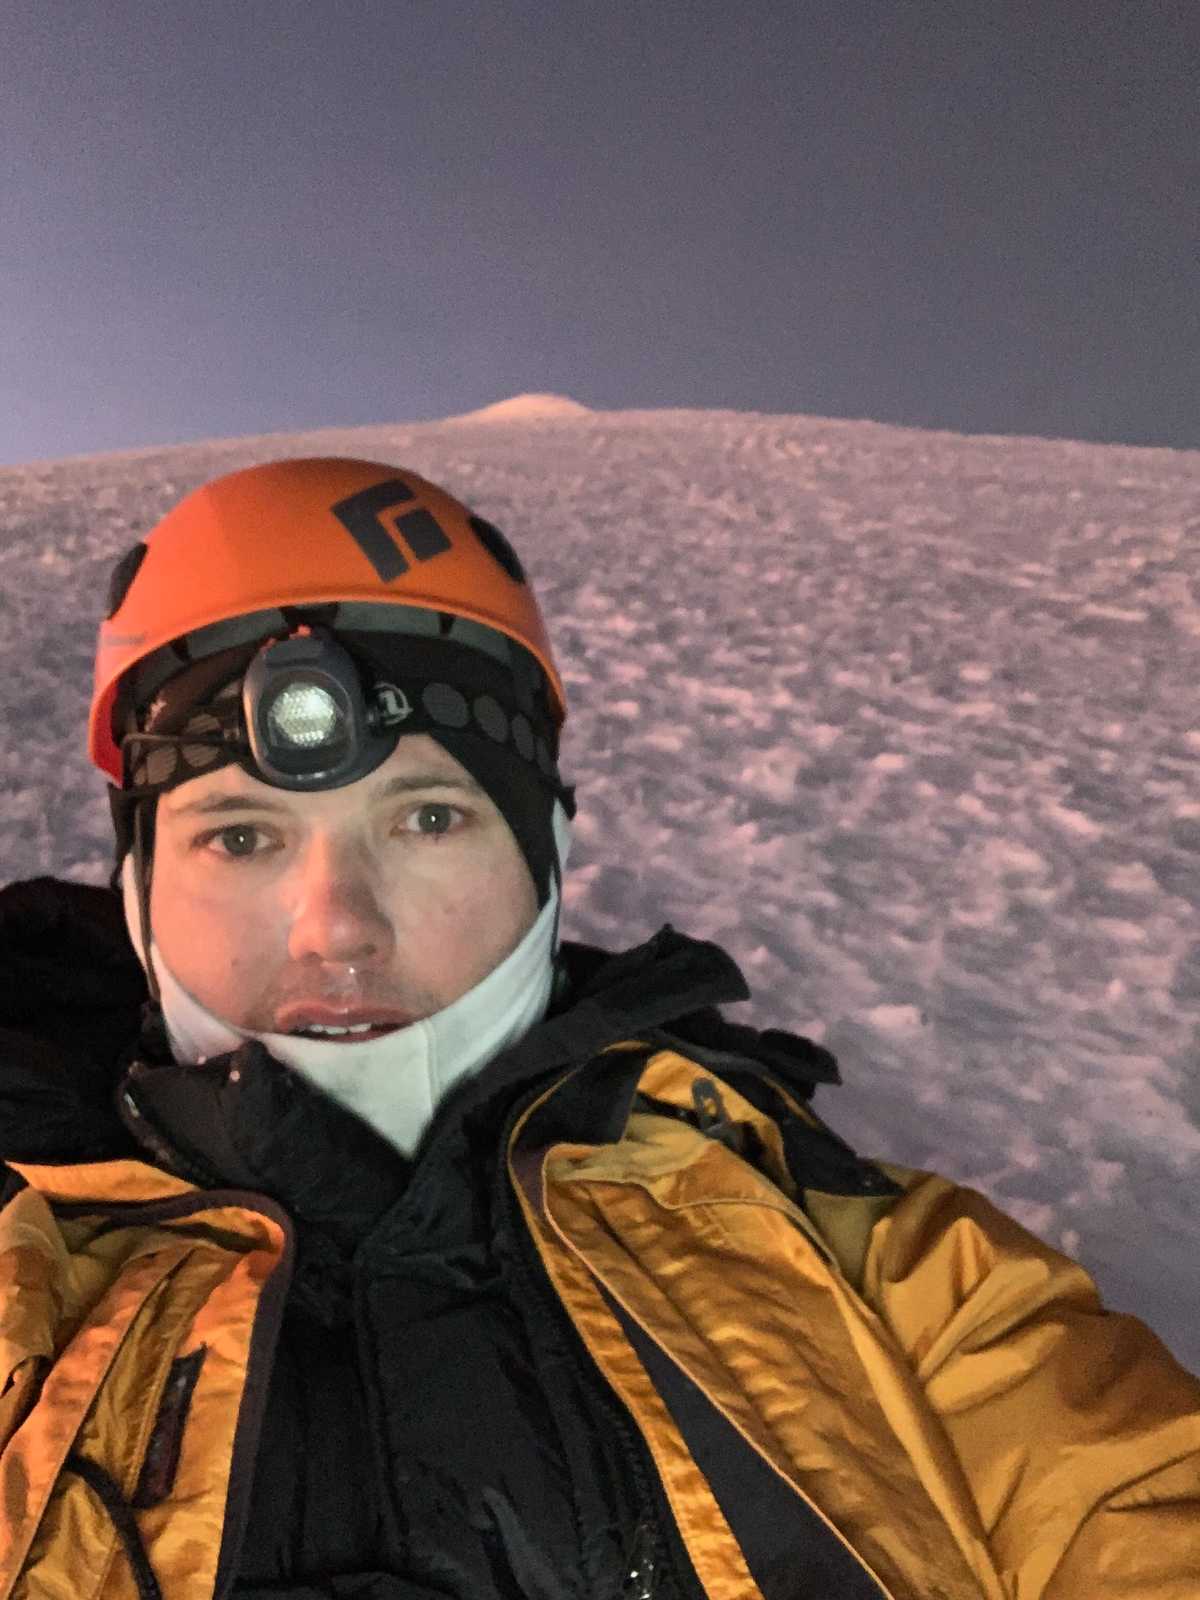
(905, 720)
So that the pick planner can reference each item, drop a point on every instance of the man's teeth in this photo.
(322, 1028)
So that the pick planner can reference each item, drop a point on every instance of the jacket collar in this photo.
(78, 1083)
(245, 1119)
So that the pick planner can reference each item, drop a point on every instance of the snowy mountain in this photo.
(526, 408)
(906, 720)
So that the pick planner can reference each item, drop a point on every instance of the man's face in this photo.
(375, 904)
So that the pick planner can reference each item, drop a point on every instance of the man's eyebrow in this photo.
(217, 803)
(407, 783)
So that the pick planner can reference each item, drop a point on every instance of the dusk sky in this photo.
(233, 218)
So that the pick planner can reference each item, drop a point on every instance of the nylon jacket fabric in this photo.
(632, 1323)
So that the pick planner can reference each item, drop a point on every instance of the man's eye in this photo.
(242, 839)
(434, 817)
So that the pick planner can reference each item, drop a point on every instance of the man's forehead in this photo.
(417, 763)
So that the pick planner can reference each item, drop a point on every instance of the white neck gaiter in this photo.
(394, 1083)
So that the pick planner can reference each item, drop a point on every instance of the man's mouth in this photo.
(339, 1024)
(361, 1030)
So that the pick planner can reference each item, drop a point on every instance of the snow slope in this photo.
(907, 720)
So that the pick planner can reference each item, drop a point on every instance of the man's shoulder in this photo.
(683, 984)
(71, 990)
(663, 1001)
(63, 943)
(45, 906)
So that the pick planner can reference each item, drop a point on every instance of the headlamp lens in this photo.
(303, 716)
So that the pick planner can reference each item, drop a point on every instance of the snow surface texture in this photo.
(905, 720)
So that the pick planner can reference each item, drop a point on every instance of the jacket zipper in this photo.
(668, 1552)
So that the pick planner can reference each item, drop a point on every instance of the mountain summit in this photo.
(526, 408)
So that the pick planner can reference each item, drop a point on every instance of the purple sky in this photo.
(222, 218)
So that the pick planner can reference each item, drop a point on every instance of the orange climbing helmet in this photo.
(242, 556)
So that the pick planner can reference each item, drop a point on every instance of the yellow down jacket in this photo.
(941, 1390)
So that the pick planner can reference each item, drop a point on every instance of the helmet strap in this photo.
(141, 877)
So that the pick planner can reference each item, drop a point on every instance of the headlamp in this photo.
(303, 716)
(319, 709)
(307, 719)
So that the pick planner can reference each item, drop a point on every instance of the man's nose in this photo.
(337, 915)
